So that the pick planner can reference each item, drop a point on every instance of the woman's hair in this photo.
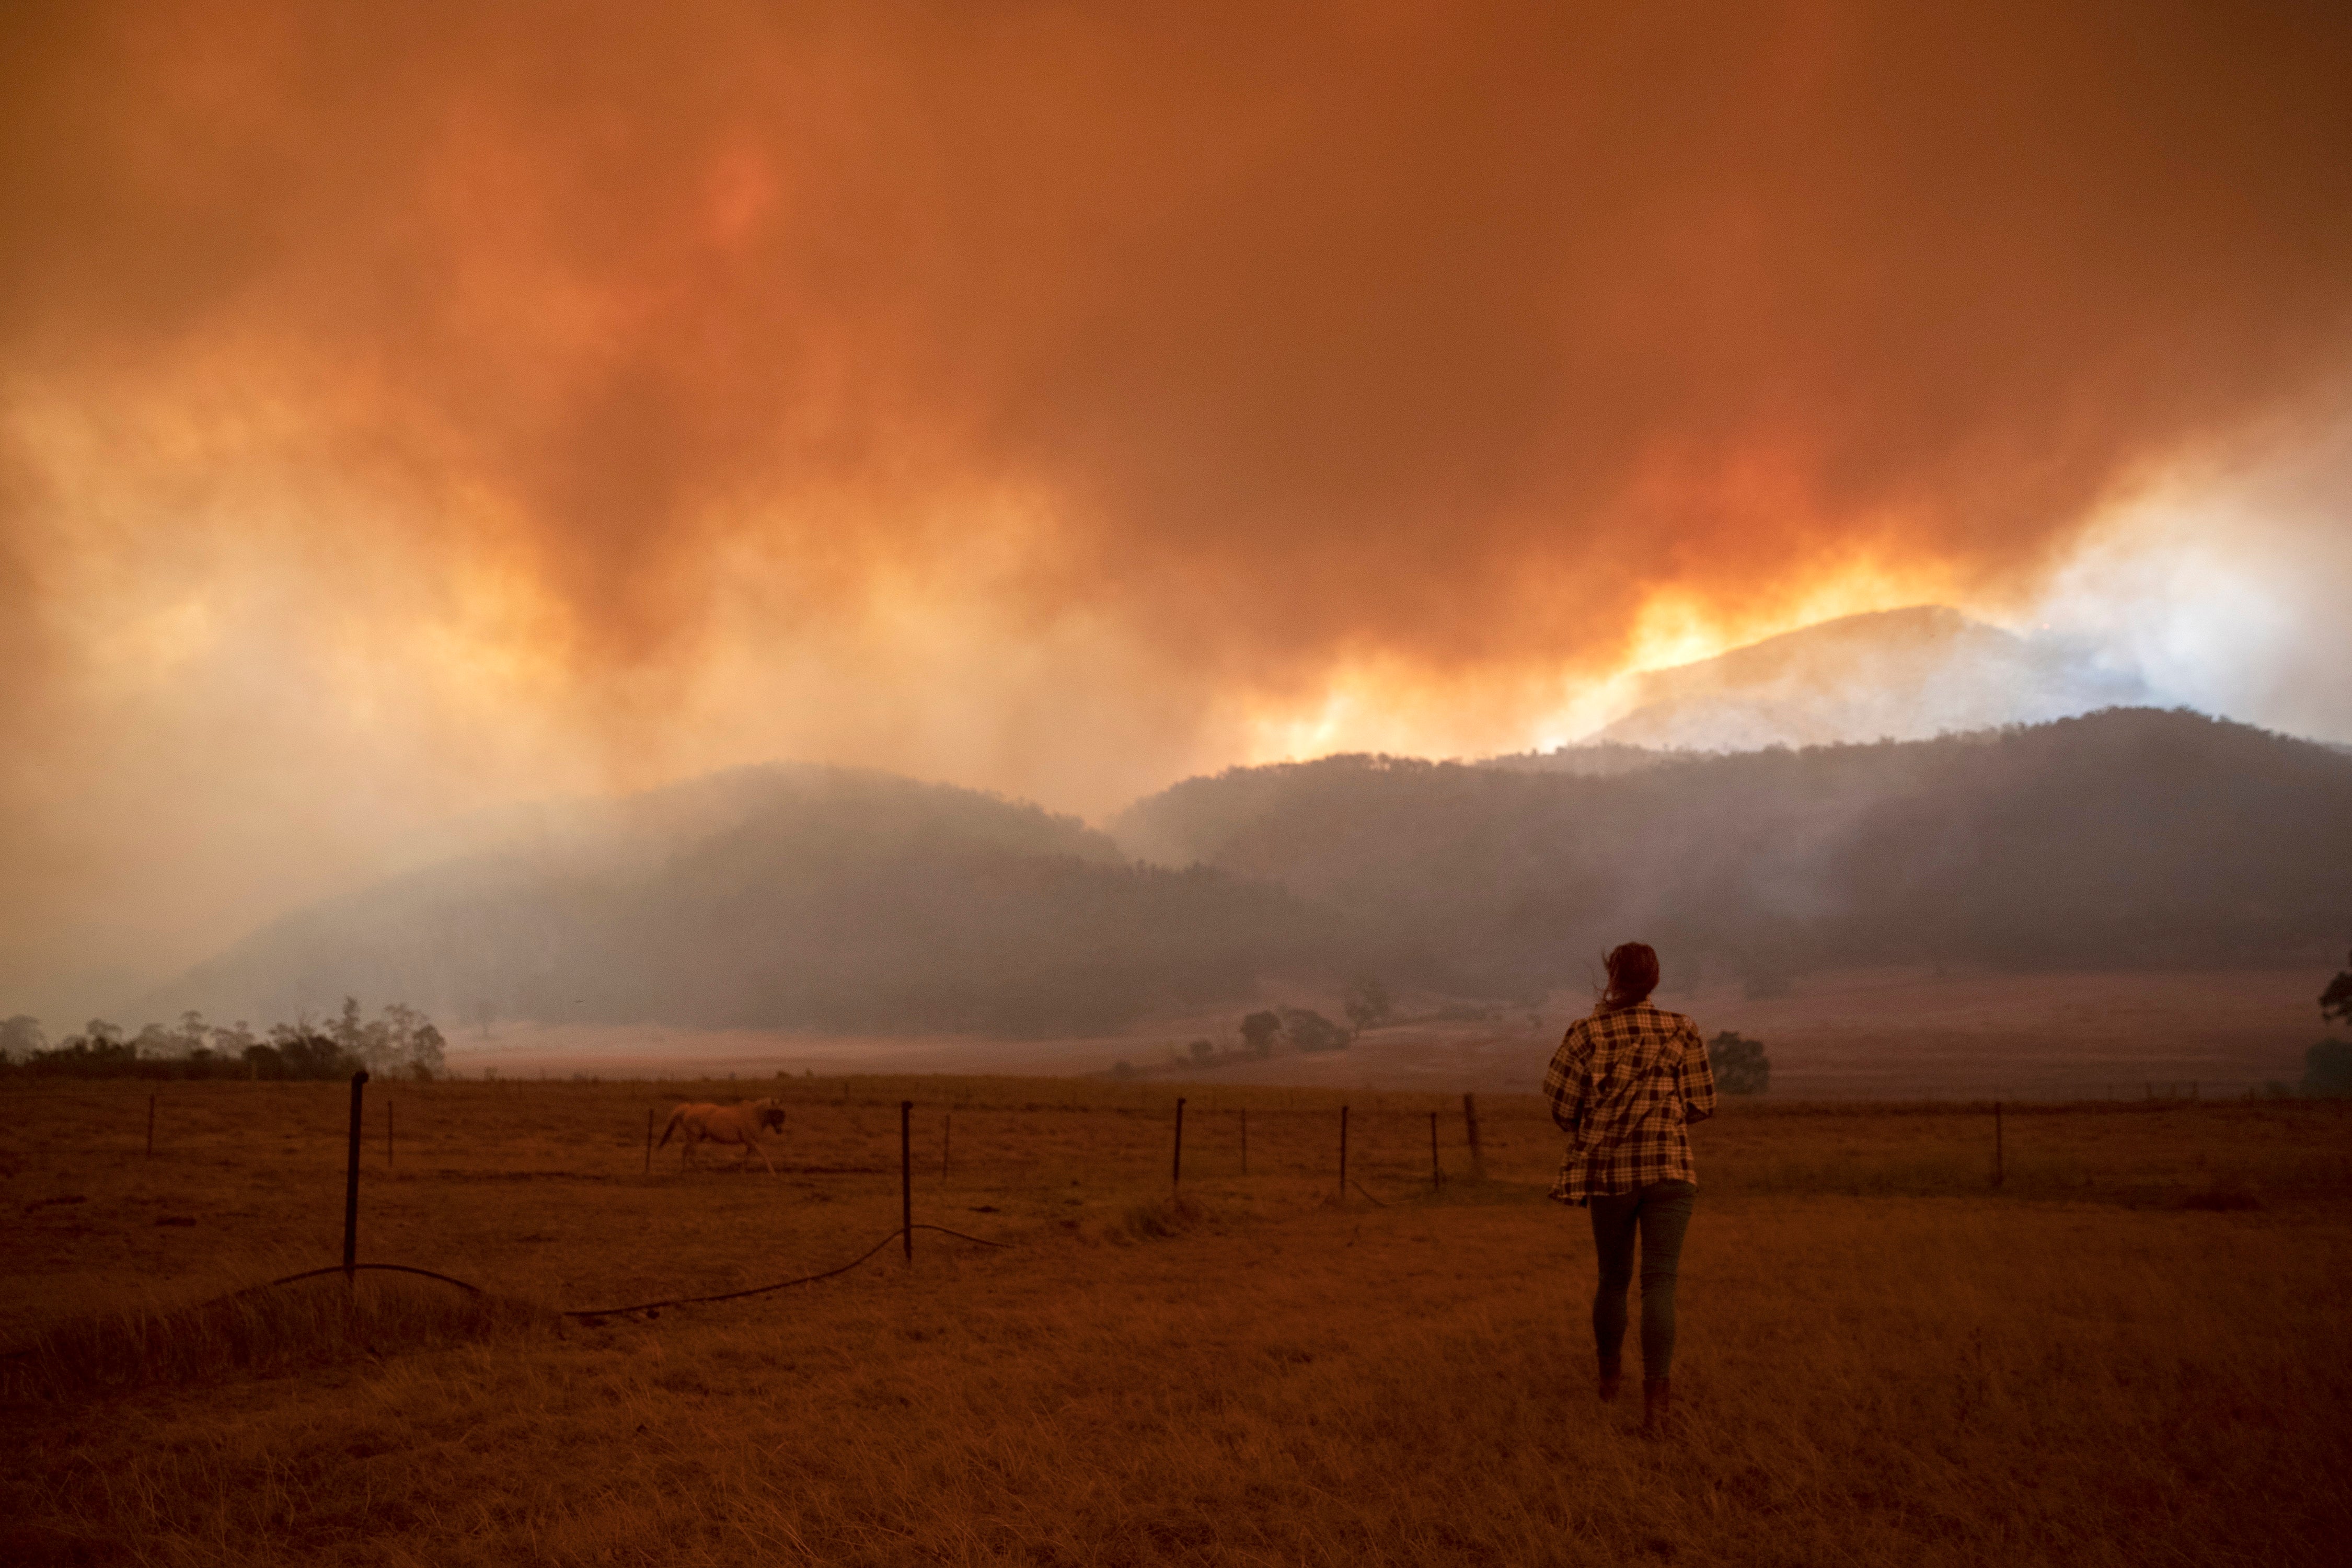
(1632, 976)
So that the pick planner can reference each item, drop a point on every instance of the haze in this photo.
(406, 413)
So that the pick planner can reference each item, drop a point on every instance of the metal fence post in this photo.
(907, 1176)
(1343, 1152)
(352, 1183)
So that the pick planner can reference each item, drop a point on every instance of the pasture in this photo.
(2129, 1352)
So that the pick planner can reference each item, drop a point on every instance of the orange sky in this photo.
(410, 409)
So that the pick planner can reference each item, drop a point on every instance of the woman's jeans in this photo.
(1661, 1213)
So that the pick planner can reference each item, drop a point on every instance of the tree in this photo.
(2327, 1070)
(20, 1037)
(425, 1059)
(2335, 1002)
(1367, 1003)
(1740, 1065)
(1258, 1031)
(302, 1052)
(1311, 1031)
(1202, 1051)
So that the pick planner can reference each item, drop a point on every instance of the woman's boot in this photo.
(1657, 1405)
(1613, 1377)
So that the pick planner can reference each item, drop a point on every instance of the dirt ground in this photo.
(1888, 1033)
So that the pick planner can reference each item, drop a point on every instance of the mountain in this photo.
(2122, 839)
(817, 898)
(1903, 674)
(835, 899)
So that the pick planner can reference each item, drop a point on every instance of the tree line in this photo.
(399, 1041)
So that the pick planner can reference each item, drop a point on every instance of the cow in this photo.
(742, 1124)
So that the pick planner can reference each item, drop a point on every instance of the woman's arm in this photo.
(1697, 1076)
(1564, 1080)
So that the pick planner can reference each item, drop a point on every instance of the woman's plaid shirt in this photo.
(1625, 1086)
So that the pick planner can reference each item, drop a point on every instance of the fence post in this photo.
(1343, 1153)
(907, 1176)
(1470, 1121)
(351, 1184)
(1996, 1143)
(1176, 1168)
(151, 1127)
(1436, 1176)
(1245, 1139)
(649, 1140)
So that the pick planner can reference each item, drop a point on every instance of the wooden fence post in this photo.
(1470, 1122)
(352, 1183)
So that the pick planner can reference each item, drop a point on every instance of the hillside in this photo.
(2123, 839)
(847, 902)
(789, 898)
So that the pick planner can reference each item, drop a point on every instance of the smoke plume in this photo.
(405, 409)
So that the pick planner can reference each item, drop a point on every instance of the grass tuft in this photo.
(308, 1323)
(2223, 1196)
(1160, 1219)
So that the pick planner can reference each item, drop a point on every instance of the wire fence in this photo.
(1402, 1147)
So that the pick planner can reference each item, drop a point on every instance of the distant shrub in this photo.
(1123, 1069)
(1740, 1063)
(1202, 1050)
(1311, 1031)
(1367, 1003)
(2327, 1068)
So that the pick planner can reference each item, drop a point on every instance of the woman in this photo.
(1625, 1085)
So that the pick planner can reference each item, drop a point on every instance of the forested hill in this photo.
(2122, 838)
(846, 900)
(785, 897)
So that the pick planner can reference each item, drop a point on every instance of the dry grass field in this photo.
(2130, 1352)
(1869, 1033)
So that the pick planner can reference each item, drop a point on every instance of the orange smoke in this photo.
(409, 409)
